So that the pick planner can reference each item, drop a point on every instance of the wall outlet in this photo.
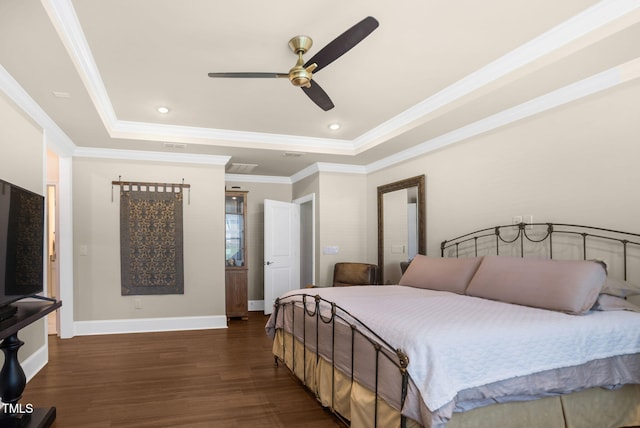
(516, 219)
(137, 303)
(256, 305)
(397, 249)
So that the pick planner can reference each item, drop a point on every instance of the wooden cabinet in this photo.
(236, 266)
(236, 293)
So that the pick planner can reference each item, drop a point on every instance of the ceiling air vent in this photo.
(61, 94)
(175, 145)
(241, 168)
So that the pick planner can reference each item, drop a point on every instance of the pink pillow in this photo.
(570, 286)
(620, 288)
(607, 302)
(443, 274)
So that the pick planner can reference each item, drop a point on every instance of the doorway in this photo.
(52, 256)
(289, 247)
(307, 240)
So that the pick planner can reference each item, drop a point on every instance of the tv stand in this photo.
(7, 312)
(12, 377)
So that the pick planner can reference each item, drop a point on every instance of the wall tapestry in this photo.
(151, 250)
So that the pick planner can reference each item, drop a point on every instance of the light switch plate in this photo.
(331, 249)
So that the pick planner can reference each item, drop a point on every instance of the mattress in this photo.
(465, 352)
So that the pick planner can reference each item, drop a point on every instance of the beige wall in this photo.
(575, 164)
(96, 226)
(258, 192)
(22, 163)
(341, 221)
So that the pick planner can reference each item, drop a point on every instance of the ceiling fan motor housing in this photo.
(298, 75)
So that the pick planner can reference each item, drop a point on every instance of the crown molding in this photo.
(65, 20)
(327, 167)
(141, 155)
(586, 22)
(53, 135)
(341, 167)
(227, 138)
(304, 173)
(583, 88)
(588, 86)
(57, 138)
(266, 179)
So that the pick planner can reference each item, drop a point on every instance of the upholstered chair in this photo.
(346, 274)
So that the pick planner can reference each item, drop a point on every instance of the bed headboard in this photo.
(619, 250)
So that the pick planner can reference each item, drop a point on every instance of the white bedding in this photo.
(457, 342)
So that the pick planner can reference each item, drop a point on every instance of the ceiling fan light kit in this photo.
(301, 75)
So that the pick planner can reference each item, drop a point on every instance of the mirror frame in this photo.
(418, 181)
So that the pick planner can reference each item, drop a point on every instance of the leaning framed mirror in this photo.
(401, 225)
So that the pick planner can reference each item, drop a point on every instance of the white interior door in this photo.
(281, 250)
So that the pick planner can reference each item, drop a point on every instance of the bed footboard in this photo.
(335, 356)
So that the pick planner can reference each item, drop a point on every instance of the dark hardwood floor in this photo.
(207, 378)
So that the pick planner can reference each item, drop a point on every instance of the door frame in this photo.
(310, 198)
(311, 228)
(53, 267)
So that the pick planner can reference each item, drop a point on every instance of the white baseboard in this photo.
(35, 362)
(146, 325)
(256, 305)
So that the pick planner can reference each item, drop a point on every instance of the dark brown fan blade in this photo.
(318, 96)
(341, 44)
(249, 75)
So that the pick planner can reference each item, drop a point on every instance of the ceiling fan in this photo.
(302, 73)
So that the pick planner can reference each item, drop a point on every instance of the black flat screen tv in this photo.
(21, 245)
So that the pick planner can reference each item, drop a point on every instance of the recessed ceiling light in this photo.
(163, 110)
(334, 126)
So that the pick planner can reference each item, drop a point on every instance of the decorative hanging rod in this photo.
(148, 185)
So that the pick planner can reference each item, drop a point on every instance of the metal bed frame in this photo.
(513, 239)
(311, 307)
(492, 239)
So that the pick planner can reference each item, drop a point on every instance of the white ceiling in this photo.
(433, 73)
